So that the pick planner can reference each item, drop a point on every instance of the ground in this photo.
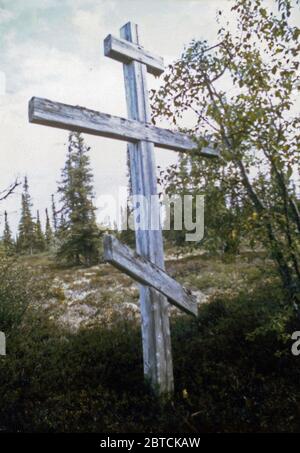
(74, 361)
(82, 297)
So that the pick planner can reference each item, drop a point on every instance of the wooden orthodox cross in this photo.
(146, 265)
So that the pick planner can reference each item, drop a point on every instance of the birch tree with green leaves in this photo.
(242, 92)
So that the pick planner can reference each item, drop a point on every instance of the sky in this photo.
(54, 49)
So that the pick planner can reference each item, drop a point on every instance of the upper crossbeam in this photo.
(125, 52)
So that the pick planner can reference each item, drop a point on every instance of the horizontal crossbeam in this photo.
(125, 51)
(147, 273)
(79, 119)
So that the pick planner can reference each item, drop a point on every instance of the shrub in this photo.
(18, 289)
(233, 372)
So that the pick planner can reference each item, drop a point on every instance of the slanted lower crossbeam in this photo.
(147, 273)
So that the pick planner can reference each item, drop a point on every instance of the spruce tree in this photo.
(7, 240)
(48, 232)
(26, 236)
(126, 234)
(78, 232)
(54, 215)
(39, 238)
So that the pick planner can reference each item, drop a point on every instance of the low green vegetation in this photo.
(234, 370)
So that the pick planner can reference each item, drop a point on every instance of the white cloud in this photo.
(87, 22)
(5, 16)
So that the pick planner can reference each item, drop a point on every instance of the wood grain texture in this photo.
(2, 343)
(158, 364)
(80, 119)
(125, 51)
(147, 273)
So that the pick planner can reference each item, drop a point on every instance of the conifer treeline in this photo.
(30, 238)
(72, 234)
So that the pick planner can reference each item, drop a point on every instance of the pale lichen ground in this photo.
(80, 297)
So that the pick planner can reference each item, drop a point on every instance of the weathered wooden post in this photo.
(158, 367)
(146, 266)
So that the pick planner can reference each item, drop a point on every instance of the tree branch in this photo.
(9, 190)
